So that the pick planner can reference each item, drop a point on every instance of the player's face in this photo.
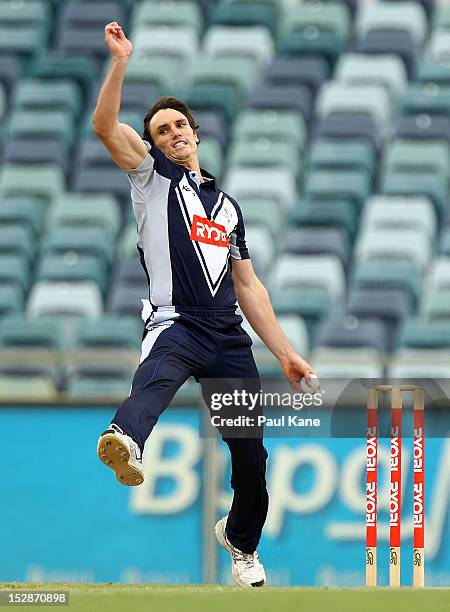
(173, 135)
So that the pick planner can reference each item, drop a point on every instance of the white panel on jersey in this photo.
(153, 231)
(160, 321)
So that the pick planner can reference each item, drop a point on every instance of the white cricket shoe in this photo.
(247, 569)
(121, 453)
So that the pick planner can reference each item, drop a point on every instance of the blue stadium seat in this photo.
(424, 126)
(125, 300)
(212, 124)
(350, 332)
(316, 241)
(36, 151)
(384, 42)
(110, 180)
(346, 125)
(392, 306)
(83, 14)
(286, 97)
(11, 70)
(294, 71)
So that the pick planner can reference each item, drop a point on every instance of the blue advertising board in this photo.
(64, 517)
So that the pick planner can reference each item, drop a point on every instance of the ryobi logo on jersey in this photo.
(208, 232)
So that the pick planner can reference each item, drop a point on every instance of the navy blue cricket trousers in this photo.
(204, 343)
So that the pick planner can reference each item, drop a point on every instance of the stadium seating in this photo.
(329, 122)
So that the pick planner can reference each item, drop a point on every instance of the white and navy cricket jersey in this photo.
(187, 232)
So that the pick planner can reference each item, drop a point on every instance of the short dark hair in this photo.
(168, 102)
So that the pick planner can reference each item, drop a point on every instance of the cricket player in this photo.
(191, 242)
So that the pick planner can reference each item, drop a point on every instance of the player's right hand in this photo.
(116, 41)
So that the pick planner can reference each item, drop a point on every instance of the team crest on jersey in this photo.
(209, 232)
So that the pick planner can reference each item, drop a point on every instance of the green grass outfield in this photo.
(180, 598)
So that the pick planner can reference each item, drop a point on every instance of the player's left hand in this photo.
(295, 368)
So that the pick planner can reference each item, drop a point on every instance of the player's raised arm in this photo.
(125, 145)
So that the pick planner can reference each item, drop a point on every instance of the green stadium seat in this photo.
(323, 271)
(354, 185)
(312, 42)
(17, 239)
(31, 13)
(80, 210)
(109, 333)
(160, 41)
(436, 305)
(82, 299)
(85, 240)
(397, 275)
(262, 152)
(348, 154)
(274, 125)
(29, 388)
(236, 71)
(54, 65)
(210, 156)
(55, 124)
(228, 41)
(217, 97)
(388, 70)
(313, 304)
(328, 17)
(245, 13)
(11, 300)
(73, 268)
(45, 182)
(336, 213)
(15, 272)
(424, 334)
(158, 71)
(264, 212)
(40, 94)
(170, 14)
(274, 183)
(444, 245)
(429, 184)
(429, 71)
(337, 97)
(393, 16)
(24, 41)
(414, 156)
(19, 332)
(22, 211)
(429, 98)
